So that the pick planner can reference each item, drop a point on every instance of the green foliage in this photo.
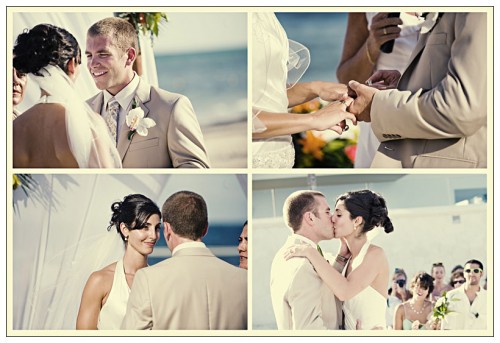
(145, 21)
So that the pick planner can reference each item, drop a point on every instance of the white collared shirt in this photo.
(466, 316)
(188, 245)
(124, 98)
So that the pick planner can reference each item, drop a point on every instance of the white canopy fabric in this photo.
(60, 236)
(77, 24)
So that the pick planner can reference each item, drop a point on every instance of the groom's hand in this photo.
(362, 104)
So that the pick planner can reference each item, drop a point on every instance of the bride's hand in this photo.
(330, 91)
(344, 249)
(299, 250)
(333, 116)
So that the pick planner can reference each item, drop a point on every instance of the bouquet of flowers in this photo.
(442, 309)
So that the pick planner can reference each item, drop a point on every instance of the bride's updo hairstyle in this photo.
(134, 211)
(370, 206)
(45, 45)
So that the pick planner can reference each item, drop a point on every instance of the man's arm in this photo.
(456, 106)
(139, 315)
(185, 140)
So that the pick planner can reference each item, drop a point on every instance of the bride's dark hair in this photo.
(134, 211)
(370, 206)
(43, 45)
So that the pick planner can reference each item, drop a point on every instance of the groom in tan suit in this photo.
(175, 141)
(192, 290)
(436, 118)
(301, 300)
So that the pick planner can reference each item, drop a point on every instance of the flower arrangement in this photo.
(145, 21)
(441, 308)
(136, 122)
(323, 149)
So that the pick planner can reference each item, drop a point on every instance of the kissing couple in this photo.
(348, 293)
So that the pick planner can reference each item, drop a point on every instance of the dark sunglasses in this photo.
(475, 270)
(401, 283)
(458, 281)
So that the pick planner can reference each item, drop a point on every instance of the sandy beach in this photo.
(227, 145)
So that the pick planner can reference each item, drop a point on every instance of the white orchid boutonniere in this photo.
(136, 121)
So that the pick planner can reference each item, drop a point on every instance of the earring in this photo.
(126, 238)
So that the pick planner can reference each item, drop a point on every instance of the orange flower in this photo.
(312, 145)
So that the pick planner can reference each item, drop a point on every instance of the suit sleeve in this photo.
(304, 303)
(185, 140)
(139, 315)
(456, 106)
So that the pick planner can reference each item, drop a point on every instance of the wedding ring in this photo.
(385, 31)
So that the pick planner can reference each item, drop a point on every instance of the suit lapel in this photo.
(425, 32)
(142, 96)
(97, 102)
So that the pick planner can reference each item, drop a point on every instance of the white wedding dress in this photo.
(113, 311)
(368, 306)
(88, 136)
(277, 63)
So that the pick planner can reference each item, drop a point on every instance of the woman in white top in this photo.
(363, 289)
(104, 299)
(361, 57)
(277, 65)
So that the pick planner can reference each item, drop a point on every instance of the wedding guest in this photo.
(73, 135)
(243, 246)
(192, 290)
(104, 299)
(273, 126)
(437, 116)
(438, 273)
(173, 138)
(361, 56)
(457, 268)
(468, 303)
(19, 81)
(397, 294)
(415, 313)
(457, 279)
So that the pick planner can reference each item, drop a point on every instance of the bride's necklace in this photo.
(421, 310)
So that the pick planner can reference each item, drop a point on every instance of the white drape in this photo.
(60, 236)
(77, 24)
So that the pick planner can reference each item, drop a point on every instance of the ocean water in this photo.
(215, 82)
(323, 34)
(222, 238)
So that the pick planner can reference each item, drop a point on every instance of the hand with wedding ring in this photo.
(299, 250)
(333, 116)
(382, 29)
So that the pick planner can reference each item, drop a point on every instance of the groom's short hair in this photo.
(123, 33)
(297, 204)
(186, 212)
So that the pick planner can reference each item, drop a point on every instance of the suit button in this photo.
(385, 135)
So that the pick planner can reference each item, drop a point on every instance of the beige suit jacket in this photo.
(192, 290)
(437, 117)
(301, 300)
(175, 141)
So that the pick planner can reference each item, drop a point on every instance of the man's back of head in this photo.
(296, 205)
